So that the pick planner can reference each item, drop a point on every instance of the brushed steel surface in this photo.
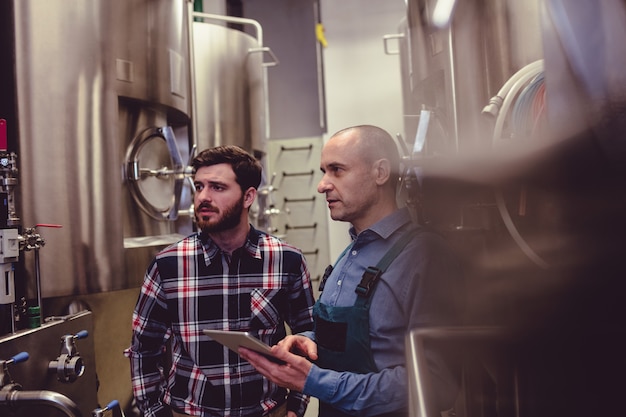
(229, 81)
(43, 345)
(68, 155)
(88, 78)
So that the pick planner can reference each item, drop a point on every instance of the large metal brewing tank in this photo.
(229, 101)
(150, 52)
(454, 70)
(89, 77)
(81, 109)
(230, 90)
(152, 79)
(68, 158)
(93, 78)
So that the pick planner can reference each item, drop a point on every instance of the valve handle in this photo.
(99, 412)
(20, 357)
(82, 334)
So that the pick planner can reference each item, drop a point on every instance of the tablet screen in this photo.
(233, 340)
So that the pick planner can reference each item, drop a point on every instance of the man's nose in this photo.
(203, 195)
(323, 185)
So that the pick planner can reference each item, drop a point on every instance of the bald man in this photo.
(393, 277)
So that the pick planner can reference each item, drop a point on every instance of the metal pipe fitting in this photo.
(15, 398)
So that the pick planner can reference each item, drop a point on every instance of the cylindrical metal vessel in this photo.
(102, 101)
(151, 51)
(454, 70)
(90, 77)
(68, 155)
(229, 88)
(92, 153)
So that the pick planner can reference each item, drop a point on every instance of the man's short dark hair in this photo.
(247, 168)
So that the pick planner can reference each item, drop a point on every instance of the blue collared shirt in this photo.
(413, 292)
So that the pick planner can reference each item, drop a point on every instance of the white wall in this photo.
(214, 6)
(363, 84)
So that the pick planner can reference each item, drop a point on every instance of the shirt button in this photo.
(354, 252)
(339, 282)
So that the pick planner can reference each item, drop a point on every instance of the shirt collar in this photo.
(387, 225)
(251, 245)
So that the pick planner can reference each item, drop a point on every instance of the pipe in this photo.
(498, 107)
(38, 283)
(321, 102)
(421, 391)
(515, 234)
(232, 19)
(509, 99)
(455, 110)
(46, 398)
(192, 77)
(493, 108)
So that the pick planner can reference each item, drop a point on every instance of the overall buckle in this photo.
(370, 276)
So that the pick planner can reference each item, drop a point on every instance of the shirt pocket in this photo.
(268, 308)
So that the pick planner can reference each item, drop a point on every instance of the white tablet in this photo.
(233, 340)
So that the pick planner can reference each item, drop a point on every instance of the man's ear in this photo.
(249, 196)
(382, 171)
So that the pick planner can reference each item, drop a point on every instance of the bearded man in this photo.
(226, 276)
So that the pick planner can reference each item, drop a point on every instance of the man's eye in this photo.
(199, 187)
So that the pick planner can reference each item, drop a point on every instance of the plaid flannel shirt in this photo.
(191, 286)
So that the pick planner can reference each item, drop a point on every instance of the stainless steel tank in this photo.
(104, 129)
(68, 153)
(105, 104)
(150, 49)
(89, 78)
(230, 92)
(453, 70)
(512, 199)
(230, 83)
(59, 375)
(151, 52)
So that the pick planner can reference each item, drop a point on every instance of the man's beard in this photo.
(230, 218)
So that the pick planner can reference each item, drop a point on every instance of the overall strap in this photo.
(330, 268)
(373, 273)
